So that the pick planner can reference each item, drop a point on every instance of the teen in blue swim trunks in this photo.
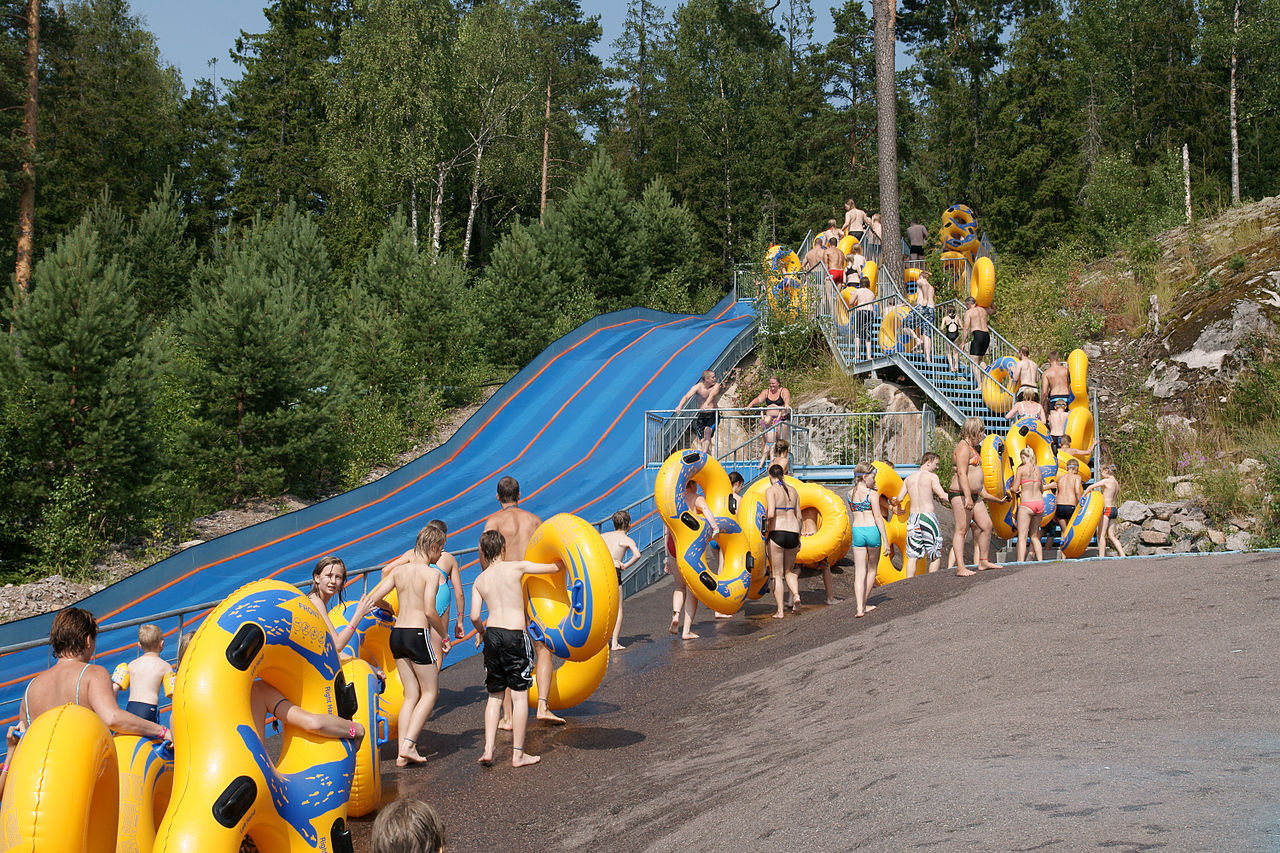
(869, 539)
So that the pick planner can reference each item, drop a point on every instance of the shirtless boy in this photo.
(146, 675)
(925, 313)
(1055, 382)
(448, 590)
(508, 652)
(619, 544)
(924, 536)
(708, 393)
(813, 258)
(855, 218)
(832, 231)
(976, 330)
(969, 500)
(415, 583)
(834, 259)
(1026, 372)
(1058, 423)
(1110, 488)
(1069, 485)
(517, 526)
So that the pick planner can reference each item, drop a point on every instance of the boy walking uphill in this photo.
(619, 544)
(508, 652)
(415, 583)
(144, 675)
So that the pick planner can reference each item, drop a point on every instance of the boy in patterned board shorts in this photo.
(508, 651)
(924, 535)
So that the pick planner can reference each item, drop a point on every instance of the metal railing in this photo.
(669, 430)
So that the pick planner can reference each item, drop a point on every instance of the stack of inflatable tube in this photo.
(1079, 414)
(959, 231)
(719, 568)
(225, 786)
(63, 789)
(573, 612)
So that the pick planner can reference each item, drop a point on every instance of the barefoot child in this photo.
(1110, 488)
(1057, 423)
(415, 583)
(508, 652)
(145, 675)
(619, 544)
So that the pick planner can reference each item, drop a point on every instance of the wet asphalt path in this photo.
(1112, 705)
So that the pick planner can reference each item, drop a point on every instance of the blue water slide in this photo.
(569, 427)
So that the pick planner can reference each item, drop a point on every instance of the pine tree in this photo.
(202, 176)
(605, 261)
(668, 250)
(260, 377)
(81, 364)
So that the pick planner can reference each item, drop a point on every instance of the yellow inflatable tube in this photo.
(62, 795)
(834, 535)
(146, 783)
(717, 567)
(1083, 524)
(753, 517)
(1004, 519)
(847, 244)
(366, 781)
(982, 282)
(888, 484)
(1080, 428)
(894, 336)
(571, 613)
(997, 387)
(225, 784)
(573, 682)
(871, 272)
(1078, 369)
(994, 475)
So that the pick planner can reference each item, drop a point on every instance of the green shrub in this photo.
(67, 536)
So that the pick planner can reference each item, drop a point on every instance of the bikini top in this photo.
(778, 507)
(862, 505)
(774, 401)
(27, 704)
(443, 593)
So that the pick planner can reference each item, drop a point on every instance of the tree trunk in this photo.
(1186, 177)
(475, 203)
(30, 116)
(413, 210)
(728, 188)
(546, 147)
(1235, 134)
(437, 210)
(886, 12)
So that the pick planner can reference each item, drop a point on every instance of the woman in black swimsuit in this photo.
(782, 504)
(951, 328)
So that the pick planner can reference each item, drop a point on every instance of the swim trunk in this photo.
(837, 276)
(1054, 398)
(411, 644)
(1055, 441)
(706, 420)
(978, 346)
(1034, 506)
(1064, 511)
(924, 537)
(867, 536)
(1109, 512)
(508, 660)
(787, 540)
(864, 320)
(920, 316)
(1031, 388)
(145, 710)
(915, 250)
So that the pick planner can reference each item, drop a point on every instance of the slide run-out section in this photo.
(569, 427)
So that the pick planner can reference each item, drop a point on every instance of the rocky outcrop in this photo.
(1173, 528)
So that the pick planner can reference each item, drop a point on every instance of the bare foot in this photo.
(545, 715)
(519, 759)
(778, 615)
(964, 573)
(795, 606)
(675, 622)
(617, 647)
(860, 615)
(871, 607)
(834, 600)
(689, 635)
(486, 760)
(504, 725)
(406, 760)
(989, 565)
(724, 615)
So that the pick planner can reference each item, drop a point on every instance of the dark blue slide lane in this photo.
(569, 427)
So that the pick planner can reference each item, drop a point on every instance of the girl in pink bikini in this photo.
(1028, 485)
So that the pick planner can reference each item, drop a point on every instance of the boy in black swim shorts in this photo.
(508, 652)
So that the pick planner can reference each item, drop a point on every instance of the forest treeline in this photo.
(275, 282)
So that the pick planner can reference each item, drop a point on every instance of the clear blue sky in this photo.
(190, 34)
